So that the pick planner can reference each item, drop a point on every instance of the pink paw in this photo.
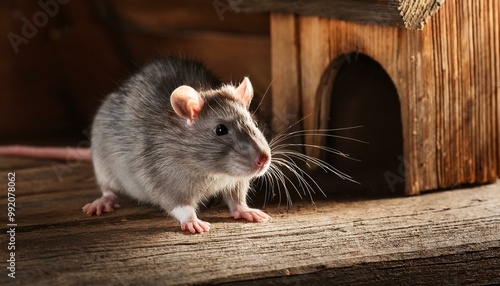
(250, 214)
(196, 225)
(103, 204)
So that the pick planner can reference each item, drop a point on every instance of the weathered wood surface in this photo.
(411, 14)
(447, 77)
(447, 237)
(285, 52)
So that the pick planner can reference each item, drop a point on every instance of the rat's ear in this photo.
(244, 92)
(186, 102)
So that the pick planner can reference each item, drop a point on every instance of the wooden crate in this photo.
(446, 75)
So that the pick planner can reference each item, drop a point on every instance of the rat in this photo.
(173, 135)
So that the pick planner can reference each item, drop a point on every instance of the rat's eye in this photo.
(221, 129)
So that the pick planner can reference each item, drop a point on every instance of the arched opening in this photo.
(364, 94)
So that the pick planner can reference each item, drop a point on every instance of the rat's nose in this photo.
(262, 160)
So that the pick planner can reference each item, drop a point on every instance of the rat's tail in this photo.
(58, 153)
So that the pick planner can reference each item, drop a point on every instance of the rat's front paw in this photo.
(196, 225)
(102, 204)
(250, 214)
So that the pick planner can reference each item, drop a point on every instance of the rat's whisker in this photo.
(293, 169)
(319, 132)
(327, 149)
(272, 176)
(289, 136)
(290, 167)
(284, 132)
(263, 96)
(285, 171)
(325, 166)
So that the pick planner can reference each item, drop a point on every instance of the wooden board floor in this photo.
(446, 237)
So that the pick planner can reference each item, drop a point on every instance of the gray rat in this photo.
(172, 135)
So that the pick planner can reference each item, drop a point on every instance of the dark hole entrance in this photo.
(364, 94)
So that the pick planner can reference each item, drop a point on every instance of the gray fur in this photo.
(142, 148)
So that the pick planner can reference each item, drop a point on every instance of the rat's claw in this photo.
(88, 209)
(250, 214)
(100, 205)
(195, 226)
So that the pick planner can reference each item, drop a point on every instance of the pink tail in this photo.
(59, 153)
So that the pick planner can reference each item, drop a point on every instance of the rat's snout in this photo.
(262, 160)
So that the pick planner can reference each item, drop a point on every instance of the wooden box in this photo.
(446, 75)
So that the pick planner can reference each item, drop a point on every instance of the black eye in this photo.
(221, 129)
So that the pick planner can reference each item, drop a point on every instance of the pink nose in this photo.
(262, 160)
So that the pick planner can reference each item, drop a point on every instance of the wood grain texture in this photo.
(285, 70)
(468, 92)
(411, 14)
(426, 239)
(314, 58)
(447, 77)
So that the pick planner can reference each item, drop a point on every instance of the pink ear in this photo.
(186, 102)
(244, 92)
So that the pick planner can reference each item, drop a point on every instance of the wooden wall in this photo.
(54, 77)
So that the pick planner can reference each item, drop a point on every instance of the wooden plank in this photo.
(495, 52)
(420, 59)
(410, 14)
(406, 239)
(468, 124)
(492, 20)
(314, 59)
(285, 72)
(466, 91)
(478, 266)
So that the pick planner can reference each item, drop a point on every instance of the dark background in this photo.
(70, 60)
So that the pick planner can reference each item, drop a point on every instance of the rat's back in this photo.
(127, 122)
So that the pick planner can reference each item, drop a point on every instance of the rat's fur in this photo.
(142, 147)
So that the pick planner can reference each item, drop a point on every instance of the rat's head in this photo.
(228, 140)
